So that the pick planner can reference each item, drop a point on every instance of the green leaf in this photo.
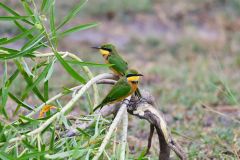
(4, 91)
(33, 41)
(72, 13)
(26, 68)
(6, 8)
(31, 155)
(52, 139)
(12, 18)
(88, 63)
(5, 156)
(49, 74)
(10, 80)
(77, 28)
(45, 4)
(83, 132)
(25, 53)
(52, 23)
(34, 84)
(45, 87)
(20, 36)
(3, 39)
(69, 69)
(19, 102)
(28, 145)
(27, 119)
(27, 9)
(29, 80)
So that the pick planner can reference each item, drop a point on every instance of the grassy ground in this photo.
(188, 52)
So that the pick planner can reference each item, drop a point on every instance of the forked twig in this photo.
(144, 109)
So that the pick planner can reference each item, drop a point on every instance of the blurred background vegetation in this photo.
(189, 54)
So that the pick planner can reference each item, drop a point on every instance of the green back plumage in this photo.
(119, 90)
(120, 65)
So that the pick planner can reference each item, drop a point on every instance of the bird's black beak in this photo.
(96, 47)
(139, 74)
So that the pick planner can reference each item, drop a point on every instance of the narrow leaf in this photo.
(12, 18)
(88, 63)
(33, 41)
(52, 139)
(72, 13)
(6, 8)
(45, 4)
(28, 9)
(34, 84)
(3, 39)
(45, 90)
(31, 155)
(19, 102)
(77, 28)
(52, 23)
(4, 91)
(29, 80)
(69, 69)
(49, 74)
(20, 36)
(10, 80)
(24, 53)
(5, 156)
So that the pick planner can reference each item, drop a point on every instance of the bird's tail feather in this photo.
(138, 93)
(99, 106)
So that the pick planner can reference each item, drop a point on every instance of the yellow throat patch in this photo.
(104, 52)
(133, 78)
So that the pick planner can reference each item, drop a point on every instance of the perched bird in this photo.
(111, 56)
(124, 87)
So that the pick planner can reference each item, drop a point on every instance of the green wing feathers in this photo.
(120, 65)
(120, 90)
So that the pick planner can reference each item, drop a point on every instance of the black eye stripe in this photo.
(107, 49)
(131, 75)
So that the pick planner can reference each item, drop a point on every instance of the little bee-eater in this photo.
(124, 87)
(111, 56)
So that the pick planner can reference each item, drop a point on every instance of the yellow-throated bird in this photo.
(111, 56)
(124, 87)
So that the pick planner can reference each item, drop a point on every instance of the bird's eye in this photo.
(107, 49)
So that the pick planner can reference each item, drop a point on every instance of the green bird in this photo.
(111, 56)
(124, 87)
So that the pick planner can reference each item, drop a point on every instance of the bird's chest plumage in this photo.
(134, 87)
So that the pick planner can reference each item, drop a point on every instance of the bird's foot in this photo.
(140, 100)
(143, 100)
(125, 101)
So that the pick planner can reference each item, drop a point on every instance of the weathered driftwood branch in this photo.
(144, 109)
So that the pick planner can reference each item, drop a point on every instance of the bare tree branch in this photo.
(124, 135)
(144, 109)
